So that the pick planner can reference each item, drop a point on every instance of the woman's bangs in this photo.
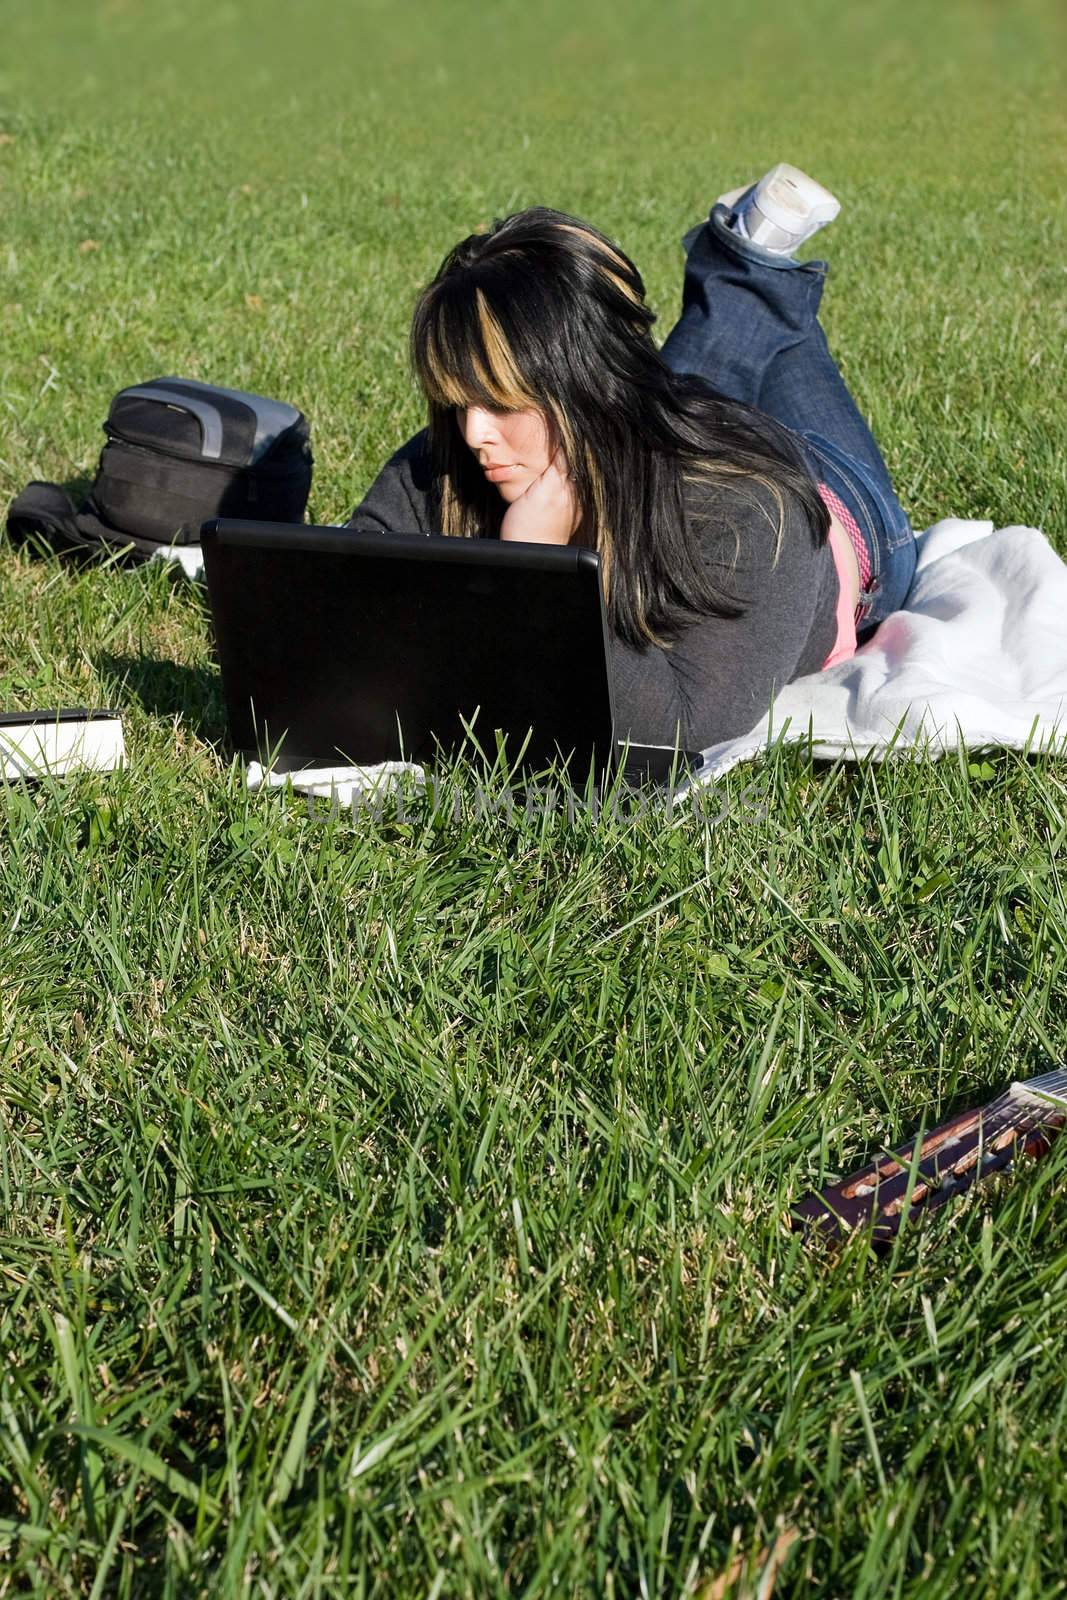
(464, 358)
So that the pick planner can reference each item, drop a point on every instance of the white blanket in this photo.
(978, 655)
(189, 557)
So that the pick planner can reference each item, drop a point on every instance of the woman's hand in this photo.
(545, 513)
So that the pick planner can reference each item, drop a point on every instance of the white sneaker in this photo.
(781, 211)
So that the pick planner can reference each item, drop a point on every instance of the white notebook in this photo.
(36, 744)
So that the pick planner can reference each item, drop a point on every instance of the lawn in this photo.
(394, 1205)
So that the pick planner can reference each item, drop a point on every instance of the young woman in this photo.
(745, 520)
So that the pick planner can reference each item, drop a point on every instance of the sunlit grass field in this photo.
(395, 1206)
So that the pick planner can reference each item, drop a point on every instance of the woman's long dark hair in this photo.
(545, 313)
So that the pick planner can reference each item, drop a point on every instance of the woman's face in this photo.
(513, 447)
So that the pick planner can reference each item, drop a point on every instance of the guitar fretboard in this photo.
(949, 1160)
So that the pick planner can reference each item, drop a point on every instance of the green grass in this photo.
(394, 1207)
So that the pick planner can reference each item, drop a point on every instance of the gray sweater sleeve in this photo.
(401, 498)
(719, 677)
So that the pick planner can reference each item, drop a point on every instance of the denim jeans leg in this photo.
(740, 311)
(749, 326)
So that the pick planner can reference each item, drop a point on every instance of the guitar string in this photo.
(1019, 1108)
(1010, 1112)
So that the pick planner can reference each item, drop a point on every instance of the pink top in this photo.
(845, 642)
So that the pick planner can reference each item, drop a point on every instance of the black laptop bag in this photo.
(178, 452)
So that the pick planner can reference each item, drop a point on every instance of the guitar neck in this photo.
(946, 1162)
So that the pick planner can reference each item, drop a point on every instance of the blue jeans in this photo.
(749, 326)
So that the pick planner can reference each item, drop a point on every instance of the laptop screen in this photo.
(338, 647)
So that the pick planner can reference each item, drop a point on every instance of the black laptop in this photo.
(340, 647)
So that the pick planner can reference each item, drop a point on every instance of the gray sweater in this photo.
(719, 677)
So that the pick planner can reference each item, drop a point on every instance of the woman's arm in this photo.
(400, 499)
(721, 675)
